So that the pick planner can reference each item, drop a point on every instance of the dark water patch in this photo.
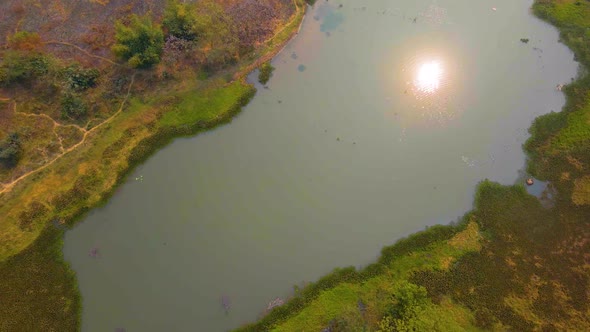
(332, 21)
(225, 303)
(301, 68)
(94, 253)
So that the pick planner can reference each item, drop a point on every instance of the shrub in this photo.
(24, 40)
(78, 78)
(140, 43)
(34, 212)
(20, 67)
(73, 107)
(10, 150)
(266, 70)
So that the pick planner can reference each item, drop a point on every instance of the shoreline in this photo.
(305, 306)
(44, 253)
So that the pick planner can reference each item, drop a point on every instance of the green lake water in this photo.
(372, 127)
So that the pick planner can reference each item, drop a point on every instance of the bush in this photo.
(24, 40)
(73, 107)
(265, 72)
(78, 78)
(10, 150)
(140, 43)
(20, 67)
(34, 212)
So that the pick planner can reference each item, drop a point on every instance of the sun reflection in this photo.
(429, 77)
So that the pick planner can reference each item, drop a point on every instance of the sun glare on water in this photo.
(429, 77)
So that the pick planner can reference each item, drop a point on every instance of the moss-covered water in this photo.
(349, 148)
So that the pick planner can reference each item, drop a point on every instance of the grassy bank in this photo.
(511, 264)
(39, 290)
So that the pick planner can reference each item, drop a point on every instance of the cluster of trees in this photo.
(24, 63)
(201, 27)
(21, 67)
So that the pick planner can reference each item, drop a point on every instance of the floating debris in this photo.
(139, 178)
(434, 15)
(530, 181)
(225, 303)
(468, 161)
(559, 87)
(524, 40)
(94, 253)
(275, 303)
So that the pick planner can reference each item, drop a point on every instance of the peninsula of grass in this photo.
(512, 263)
(128, 113)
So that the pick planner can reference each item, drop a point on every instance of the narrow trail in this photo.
(54, 42)
(6, 187)
(55, 123)
(271, 55)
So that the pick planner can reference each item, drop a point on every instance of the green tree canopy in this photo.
(180, 20)
(140, 43)
(10, 150)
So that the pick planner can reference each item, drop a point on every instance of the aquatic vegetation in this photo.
(515, 264)
(266, 70)
(56, 299)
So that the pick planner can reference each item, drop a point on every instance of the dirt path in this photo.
(242, 73)
(55, 123)
(6, 187)
(53, 42)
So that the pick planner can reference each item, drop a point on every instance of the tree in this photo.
(140, 43)
(10, 150)
(180, 20)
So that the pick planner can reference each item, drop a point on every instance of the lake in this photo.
(380, 119)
